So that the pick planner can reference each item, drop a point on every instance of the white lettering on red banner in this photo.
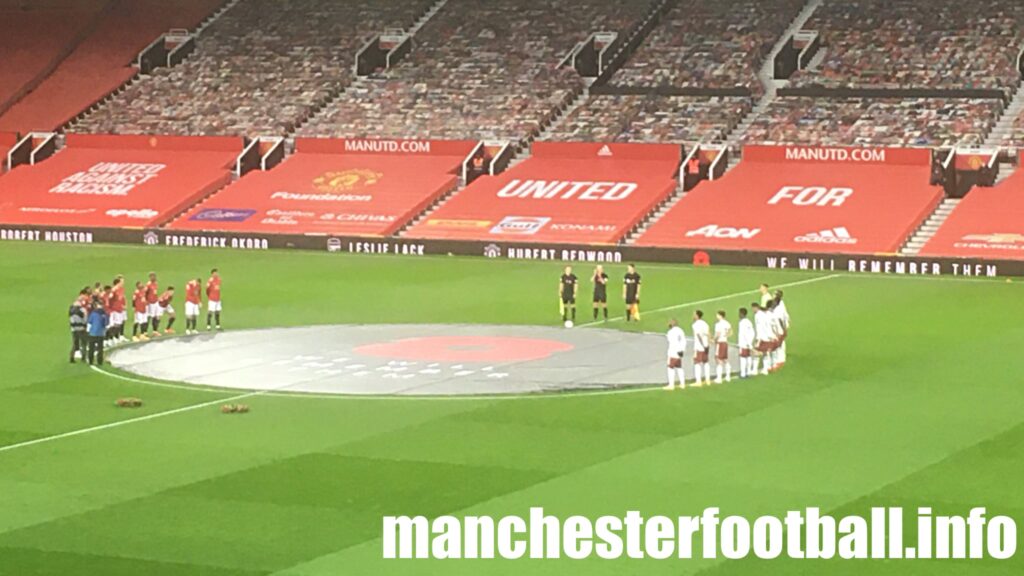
(108, 179)
(396, 146)
(716, 231)
(836, 154)
(321, 197)
(567, 190)
(812, 196)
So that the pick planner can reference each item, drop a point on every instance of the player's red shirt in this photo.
(152, 292)
(108, 300)
(118, 301)
(193, 293)
(213, 288)
(165, 298)
(139, 300)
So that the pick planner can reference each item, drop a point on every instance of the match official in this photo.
(567, 287)
(631, 293)
(600, 280)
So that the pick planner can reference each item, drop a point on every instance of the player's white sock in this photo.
(754, 361)
(718, 373)
(671, 379)
(768, 364)
(707, 373)
(682, 378)
(728, 372)
(743, 367)
(696, 373)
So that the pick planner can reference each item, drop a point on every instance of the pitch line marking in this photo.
(717, 299)
(154, 416)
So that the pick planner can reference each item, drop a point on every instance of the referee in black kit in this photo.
(567, 286)
(631, 293)
(600, 280)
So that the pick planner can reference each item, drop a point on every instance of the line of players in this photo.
(761, 343)
(101, 311)
(568, 288)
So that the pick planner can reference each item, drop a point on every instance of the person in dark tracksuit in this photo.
(79, 341)
(97, 333)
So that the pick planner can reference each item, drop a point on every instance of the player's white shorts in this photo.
(117, 318)
(141, 317)
(213, 306)
(152, 310)
(161, 310)
(192, 309)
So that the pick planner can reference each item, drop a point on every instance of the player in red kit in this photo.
(107, 298)
(165, 307)
(116, 310)
(152, 305)
(213, 299)
(193, 305)
(139, 304)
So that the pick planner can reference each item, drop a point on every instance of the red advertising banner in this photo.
(609, 151)
(801, 206)
(333, 194)
(404, 148)
(987, 223)
(112, 186)
(552, 198)
(145, 142)
(843, 155)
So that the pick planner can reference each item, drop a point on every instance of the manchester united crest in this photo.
(346, 180)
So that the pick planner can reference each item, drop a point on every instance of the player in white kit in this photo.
(723, 330)
(782, 314)
(745, 341)
(701, 347)
(764, 331)
(676, 349)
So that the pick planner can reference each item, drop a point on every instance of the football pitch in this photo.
(898, 391)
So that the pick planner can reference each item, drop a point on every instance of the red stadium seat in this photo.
(33, 41)
(102, 62)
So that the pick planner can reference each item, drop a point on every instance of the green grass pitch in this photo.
(898, 392)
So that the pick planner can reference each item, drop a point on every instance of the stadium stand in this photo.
(710, 44)
(917, 44)
(7, 141)
(35, 37)
(874, 121)
(565, 192)
(480, 69)
(101, 62)
(1016, 136)
(117, 181)
(261, 69)
(650, 118)
(326, 189)
(987, 223)
(795, 199)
